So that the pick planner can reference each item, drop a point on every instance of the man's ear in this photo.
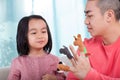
(109, 15)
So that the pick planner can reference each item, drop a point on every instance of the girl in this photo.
(34, 44)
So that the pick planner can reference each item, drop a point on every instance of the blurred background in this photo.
(64, 17)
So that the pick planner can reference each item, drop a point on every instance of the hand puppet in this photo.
(66, 52)
(63, 67)
(78, 42)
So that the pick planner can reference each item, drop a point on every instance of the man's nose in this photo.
(86, 21)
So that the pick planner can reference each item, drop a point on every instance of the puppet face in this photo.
(78, 42)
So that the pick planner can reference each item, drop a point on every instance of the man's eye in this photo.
(89, 16)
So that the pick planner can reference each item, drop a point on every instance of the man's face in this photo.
(95, 21)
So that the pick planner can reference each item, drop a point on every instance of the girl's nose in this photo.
(39, 35)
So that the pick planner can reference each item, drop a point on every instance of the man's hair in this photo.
(22, 38)
(105, 5)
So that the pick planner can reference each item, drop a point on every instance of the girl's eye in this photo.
(33, 33)
(44, 31)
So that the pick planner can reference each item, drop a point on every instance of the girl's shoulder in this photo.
(19, 59)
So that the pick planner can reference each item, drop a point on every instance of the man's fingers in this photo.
(73, 52)
(72, 69)
(73, 62)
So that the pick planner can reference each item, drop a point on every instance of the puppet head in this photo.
(78, 42)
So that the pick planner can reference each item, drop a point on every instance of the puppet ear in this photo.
(75, 38)
(78, 35)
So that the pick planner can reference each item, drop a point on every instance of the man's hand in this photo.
(81, 64)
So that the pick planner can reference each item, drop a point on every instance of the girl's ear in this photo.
(109, 15)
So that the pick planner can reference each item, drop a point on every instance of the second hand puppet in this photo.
(66, 52)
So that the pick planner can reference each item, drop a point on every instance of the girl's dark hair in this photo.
(22, 38)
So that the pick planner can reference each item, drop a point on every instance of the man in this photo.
(103, 23)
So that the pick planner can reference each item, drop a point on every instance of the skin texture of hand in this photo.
(81, 65)
(49, 77)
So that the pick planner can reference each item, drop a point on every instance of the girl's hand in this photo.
(49, 77)
(81, 64)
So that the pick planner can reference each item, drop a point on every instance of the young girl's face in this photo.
(37, 34)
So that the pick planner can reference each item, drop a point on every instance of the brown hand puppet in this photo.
(63, 67)
(78, 42)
